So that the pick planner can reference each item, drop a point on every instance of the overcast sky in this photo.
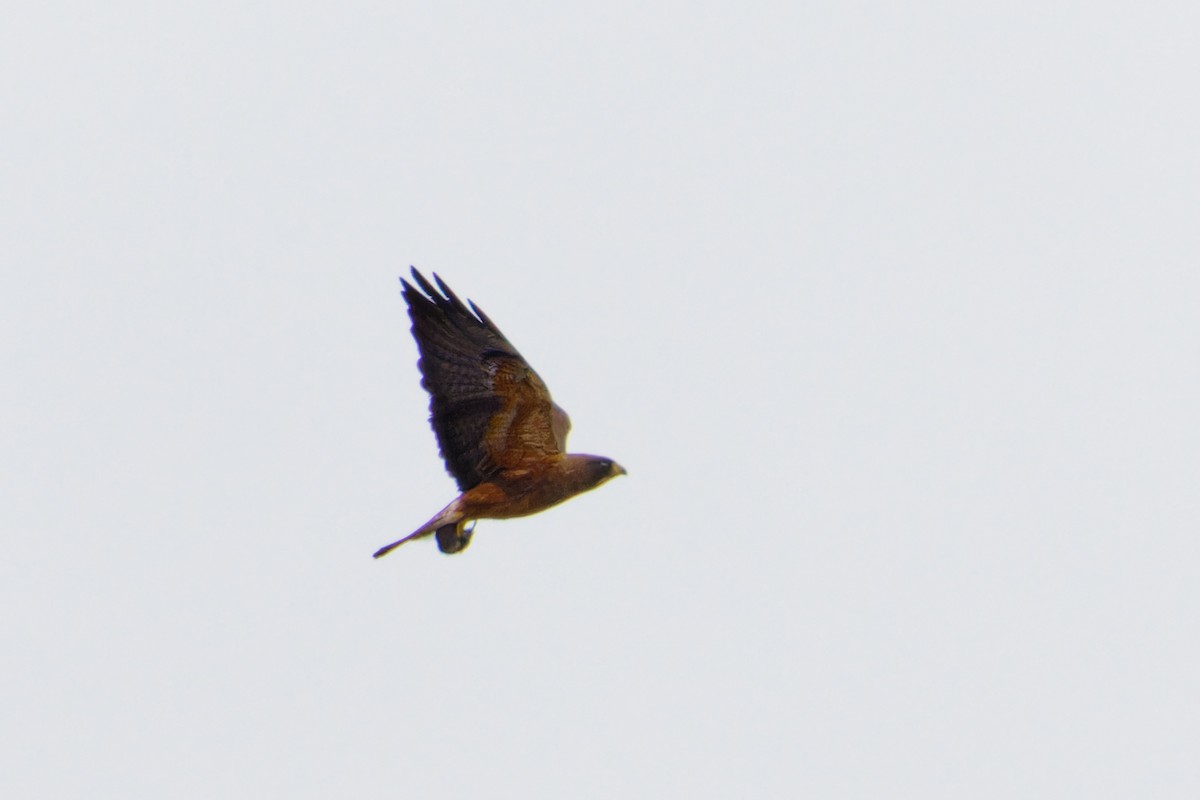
(890, 310)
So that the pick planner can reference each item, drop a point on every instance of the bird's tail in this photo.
(383, 551)
(448, 525)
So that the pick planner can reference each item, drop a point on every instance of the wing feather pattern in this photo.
(488, 408)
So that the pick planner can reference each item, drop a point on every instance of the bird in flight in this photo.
(503, 439)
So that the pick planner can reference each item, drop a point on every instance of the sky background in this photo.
(890, 310)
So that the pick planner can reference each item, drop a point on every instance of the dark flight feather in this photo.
(473, 374)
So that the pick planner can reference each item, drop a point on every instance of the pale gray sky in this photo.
(890, 310)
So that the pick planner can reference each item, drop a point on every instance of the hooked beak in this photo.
(617, 469)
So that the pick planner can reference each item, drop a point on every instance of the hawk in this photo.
(501, 436)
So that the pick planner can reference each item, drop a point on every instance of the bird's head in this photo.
(598, 469)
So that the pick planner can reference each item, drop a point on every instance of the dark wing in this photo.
(489, 409)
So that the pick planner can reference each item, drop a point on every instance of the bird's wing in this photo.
(560, 423)
(489, 409)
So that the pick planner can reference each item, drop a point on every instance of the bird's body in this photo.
(501, 436)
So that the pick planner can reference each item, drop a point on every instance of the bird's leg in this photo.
(455, 537)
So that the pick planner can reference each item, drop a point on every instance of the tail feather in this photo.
(383, 551)
(448, 525)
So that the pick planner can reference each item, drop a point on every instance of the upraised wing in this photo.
(488, 408)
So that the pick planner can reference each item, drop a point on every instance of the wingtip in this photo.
(424, 284)
(414, 274)
(441, 295)
(448, 293)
